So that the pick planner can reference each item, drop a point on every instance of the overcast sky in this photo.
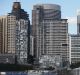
(68, 8)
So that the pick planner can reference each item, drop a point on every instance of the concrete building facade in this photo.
(15, 33)
(22, 40)
(14, 37)
(47, 61)
(50, 31)
(8, 28)
(74, 48)
(39, 12)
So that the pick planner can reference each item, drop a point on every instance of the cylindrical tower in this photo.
(49, 11)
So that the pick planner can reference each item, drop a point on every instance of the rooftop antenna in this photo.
(17, 0)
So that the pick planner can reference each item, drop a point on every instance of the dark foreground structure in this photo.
(15, 67)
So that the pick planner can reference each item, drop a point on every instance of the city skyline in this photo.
(68, 8)
(30, 31)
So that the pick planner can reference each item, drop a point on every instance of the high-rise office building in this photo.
(7, 34)
(78, 22)
(15, 33)
(22, 40)
(50, 31)
(74, 48)
(14, 36)
(22, 31)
